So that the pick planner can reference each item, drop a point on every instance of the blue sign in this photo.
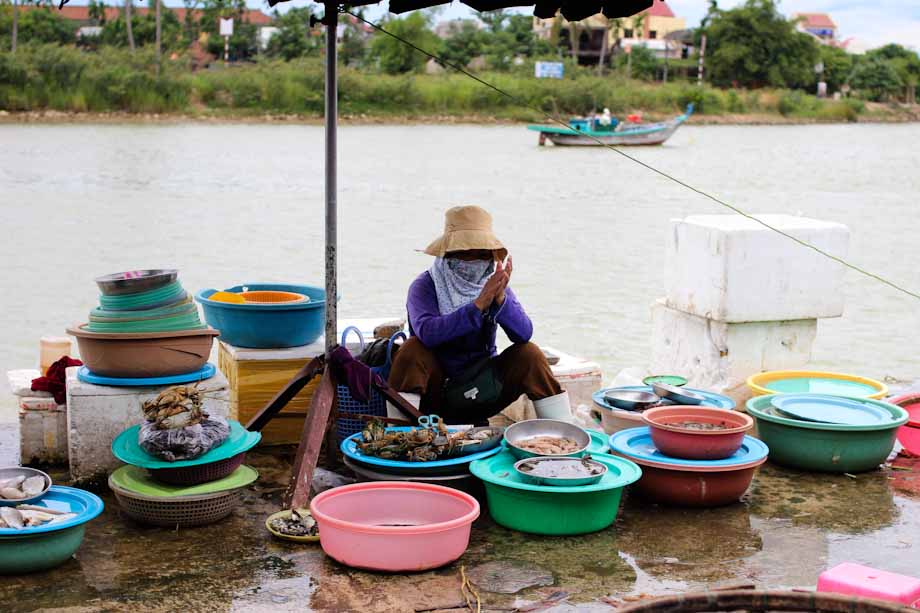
(549, 70)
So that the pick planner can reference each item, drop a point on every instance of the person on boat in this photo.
(606, 118)
(450, 366)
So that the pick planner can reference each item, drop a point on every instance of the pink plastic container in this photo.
(858, 580)
(909, 433)
(394, 526)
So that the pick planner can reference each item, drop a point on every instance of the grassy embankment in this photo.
(50, 78)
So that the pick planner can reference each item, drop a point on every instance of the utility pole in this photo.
(699, 74)
(15, 25)
(128, 19)
(331, 21)
(159, 53)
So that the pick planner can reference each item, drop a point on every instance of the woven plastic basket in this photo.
(763, 600)
(349, 407)
(203, 473)
(179, 512)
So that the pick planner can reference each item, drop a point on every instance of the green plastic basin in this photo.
(35, 552)
(824, 447)
(542, 509)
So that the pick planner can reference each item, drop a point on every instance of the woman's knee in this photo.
(528, 352)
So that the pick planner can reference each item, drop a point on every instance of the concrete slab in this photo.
(733, 269)
(96, 414)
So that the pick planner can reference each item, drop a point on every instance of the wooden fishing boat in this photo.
(585, 133)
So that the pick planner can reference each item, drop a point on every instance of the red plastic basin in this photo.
(692, 488)
(679, 442)
(909, 433)
(394, 526)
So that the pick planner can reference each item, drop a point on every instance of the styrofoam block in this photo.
(96, 414)
(21, 382)
(719, 356)
(731, 268)
(9, 444)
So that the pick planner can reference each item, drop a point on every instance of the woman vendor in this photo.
(450, 365)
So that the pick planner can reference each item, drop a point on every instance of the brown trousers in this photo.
(522, 368)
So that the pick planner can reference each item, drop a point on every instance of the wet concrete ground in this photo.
(789, 528)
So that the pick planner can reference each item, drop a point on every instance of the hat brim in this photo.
(465, 240)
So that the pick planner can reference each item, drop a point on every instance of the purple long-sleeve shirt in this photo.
(467, 335)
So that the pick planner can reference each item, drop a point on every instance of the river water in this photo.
(242, 203)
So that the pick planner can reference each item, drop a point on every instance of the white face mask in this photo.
(473, 271)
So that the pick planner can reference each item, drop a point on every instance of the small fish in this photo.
(61, 518)
(11, 493)
(49, 510)
(36, 518)
(12, 517)
(33, 486)
(15, 482)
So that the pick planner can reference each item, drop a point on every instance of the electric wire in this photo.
(645, 165)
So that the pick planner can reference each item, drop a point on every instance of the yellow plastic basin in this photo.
(810, 381)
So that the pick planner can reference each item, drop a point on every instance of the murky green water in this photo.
(236, 203)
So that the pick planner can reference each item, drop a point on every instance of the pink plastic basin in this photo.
(394, 526)
(858, 580)
(909, 433)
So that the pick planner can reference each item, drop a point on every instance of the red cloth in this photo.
(55, 381)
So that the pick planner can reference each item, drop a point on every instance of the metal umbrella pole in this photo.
(332, 93)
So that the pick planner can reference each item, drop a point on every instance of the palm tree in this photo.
(574, 40)
(638, 25)
(128, 18)
(158, 36)
(608, 23)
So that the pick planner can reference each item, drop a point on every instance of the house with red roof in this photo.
(648, 29)
(819, 25)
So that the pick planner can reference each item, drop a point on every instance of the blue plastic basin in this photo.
(267, 326)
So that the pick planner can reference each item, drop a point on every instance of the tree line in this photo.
(751, 46)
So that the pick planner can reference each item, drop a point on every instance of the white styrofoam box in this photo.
(731, 268)
(21, 382)
(577, 376)
(96, 414)
(719, 356)
(43, 436)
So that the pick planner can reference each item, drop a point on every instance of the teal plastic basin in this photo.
(543, 509)
(823, 447)
(35, 552)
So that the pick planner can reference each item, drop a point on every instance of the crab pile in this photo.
(175, 407)
(414, 445)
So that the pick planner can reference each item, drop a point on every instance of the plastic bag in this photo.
(183, 443)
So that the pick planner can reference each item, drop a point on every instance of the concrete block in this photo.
(96, 414)
(730, 268)
(43, 435)
(719, 356)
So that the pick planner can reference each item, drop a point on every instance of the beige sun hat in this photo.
(467, 227)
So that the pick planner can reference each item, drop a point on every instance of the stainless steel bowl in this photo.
(135, 281)
(677, 394)
(530, 428)
(631, 400)
(560, 481)
(16, 471)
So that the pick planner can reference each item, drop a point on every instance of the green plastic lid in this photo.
(126, 448)
(675, 380)
(136, 480)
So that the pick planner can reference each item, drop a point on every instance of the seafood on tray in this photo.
(29, 516)
(549, 445)
(20, 487)
(422, 444)
(175, 407)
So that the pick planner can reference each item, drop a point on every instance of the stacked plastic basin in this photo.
(710, 461)
(146, 326)
(186, 492)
